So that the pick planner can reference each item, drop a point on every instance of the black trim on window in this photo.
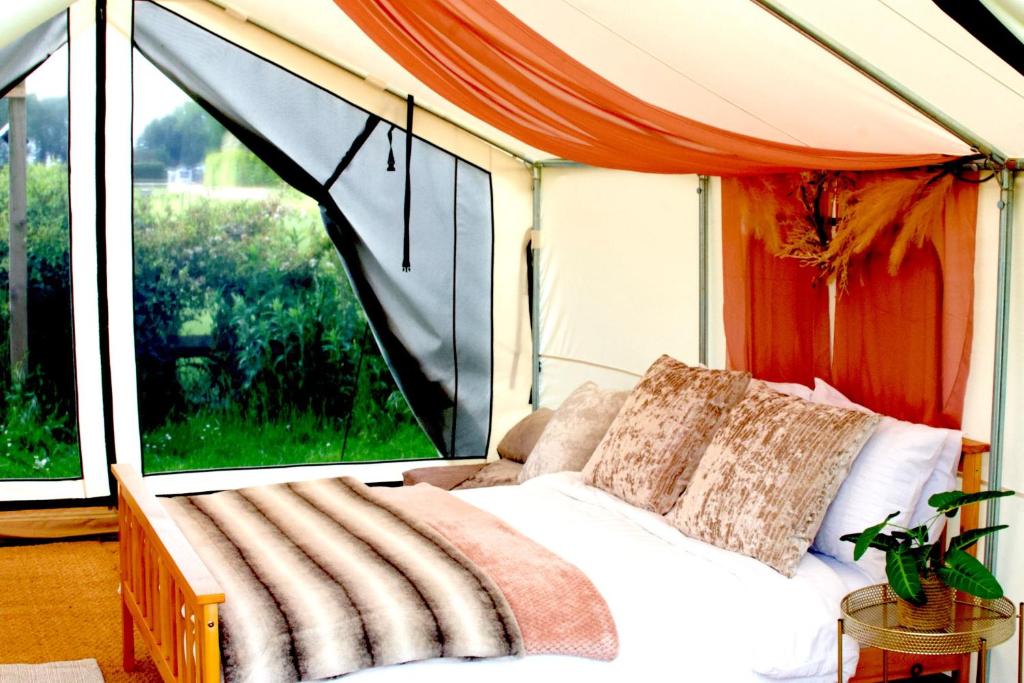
(455, 309)
(350, 154)
(101, 238)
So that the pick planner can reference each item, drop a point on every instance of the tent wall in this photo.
(512, 215)
(619, 276)
(17, 17)
(978, 404)
(1011, 546)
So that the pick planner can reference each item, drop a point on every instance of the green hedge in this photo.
(262, 279)
(237, 167)
(38, 437)
(150, 171)
(49, 296)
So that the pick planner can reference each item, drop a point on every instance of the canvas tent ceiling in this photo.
(733, 64)
(729, 63)
(17, 17)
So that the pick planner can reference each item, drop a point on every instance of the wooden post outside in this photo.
(17, 138)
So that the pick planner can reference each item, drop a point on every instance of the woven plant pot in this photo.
(935, 615)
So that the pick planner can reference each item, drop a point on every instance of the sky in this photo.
(51, 78)
(155, 95)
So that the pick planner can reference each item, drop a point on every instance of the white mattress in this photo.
(685, 611)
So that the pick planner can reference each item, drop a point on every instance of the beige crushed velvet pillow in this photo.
(520, 440)
(574, 431)
(769, 474)
(652, 448)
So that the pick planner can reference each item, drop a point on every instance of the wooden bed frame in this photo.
(166, 590)
(171, 597)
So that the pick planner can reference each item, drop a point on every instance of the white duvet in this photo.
(685, 611)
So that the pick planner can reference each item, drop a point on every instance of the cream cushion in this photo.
(575, 429)
(520, 440)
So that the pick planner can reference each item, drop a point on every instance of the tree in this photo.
(182, 138)
(47, 129)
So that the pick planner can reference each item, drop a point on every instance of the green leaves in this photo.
(909, 555)
(969, 538)
(951, 501)
(901, 569)
(967, 574)
(869, 538)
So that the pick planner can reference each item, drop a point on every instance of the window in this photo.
(37, 371)
(251, 349)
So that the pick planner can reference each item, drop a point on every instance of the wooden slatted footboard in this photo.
(166, 590)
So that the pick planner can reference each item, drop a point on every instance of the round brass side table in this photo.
(869, 616)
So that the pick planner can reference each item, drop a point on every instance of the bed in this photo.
(679, 605)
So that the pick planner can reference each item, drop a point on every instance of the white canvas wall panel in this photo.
(977, 420)
(619, 280)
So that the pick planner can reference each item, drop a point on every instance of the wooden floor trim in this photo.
(57, 523)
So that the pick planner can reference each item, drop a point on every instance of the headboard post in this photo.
(971, 455)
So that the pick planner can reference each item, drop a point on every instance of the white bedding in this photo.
(685, 611)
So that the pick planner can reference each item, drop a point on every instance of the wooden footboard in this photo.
(166, 590)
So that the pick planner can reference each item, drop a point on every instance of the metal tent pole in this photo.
(561, 163)
(703, 185)
(883, 79)
(1003, 284)
(535, 309)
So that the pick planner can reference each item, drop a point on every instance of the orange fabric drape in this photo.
(903, 342)
(480, 57)
(776, 314)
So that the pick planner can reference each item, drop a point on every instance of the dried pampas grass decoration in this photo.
(824, 220)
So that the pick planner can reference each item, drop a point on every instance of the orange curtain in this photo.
(903, 327)
(776, 312)
(480, 57)
(903, 341)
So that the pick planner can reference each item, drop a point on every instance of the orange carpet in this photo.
(59, 601)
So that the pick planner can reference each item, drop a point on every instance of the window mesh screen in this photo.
(433, 323)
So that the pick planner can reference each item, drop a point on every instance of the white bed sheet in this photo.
(685, 611)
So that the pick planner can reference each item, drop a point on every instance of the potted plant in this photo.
(923, 575)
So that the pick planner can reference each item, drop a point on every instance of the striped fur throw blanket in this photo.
(327, 577)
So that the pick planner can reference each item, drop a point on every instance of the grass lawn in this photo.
(59, 462)
(215, 441)
(219, 440)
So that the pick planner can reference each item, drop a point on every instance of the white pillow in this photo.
(791, 389)
(888, 475)
(943, 478)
